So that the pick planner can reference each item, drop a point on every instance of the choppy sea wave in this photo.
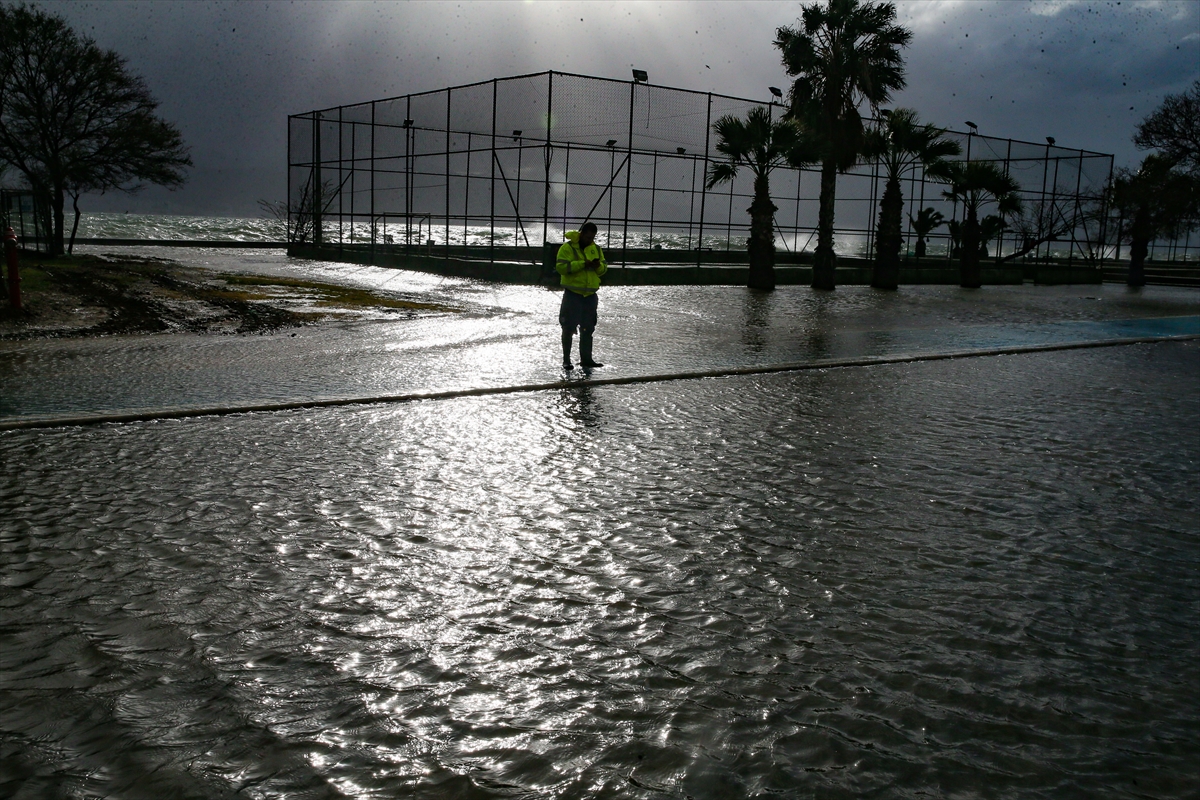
(248, 229)
(171, 226)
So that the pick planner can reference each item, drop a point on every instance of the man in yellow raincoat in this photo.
(580, 263)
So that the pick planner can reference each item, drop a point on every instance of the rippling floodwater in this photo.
(505, 335)
(971, 578)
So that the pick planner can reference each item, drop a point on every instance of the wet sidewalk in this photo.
(507, 336)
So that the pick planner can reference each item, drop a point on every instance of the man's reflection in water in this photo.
(580, 407)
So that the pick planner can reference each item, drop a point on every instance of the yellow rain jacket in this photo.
(572, 265)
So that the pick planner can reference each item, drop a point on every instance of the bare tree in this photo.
(1174, 130)
(73, 119)
(1037, 224)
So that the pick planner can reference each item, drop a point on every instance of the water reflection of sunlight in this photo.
(508, 358)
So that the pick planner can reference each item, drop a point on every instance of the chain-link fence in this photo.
(492, 170)
(27, 213)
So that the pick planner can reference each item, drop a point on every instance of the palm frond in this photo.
(721, 172)
(927, 220)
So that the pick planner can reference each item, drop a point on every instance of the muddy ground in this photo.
(95, 295)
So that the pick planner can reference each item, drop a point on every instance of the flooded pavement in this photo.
(973, 577)
(967, 578)
(508, 335)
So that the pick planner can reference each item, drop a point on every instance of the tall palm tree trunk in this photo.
(59, 201)
(888, 240)
(969, 270)
(824, 260)
(1139, 247)
(762, 236)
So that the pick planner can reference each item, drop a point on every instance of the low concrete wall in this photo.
(650, 268)
(1056, 276)
(222, 243)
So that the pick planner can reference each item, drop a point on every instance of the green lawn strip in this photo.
(78, 275)
(33, 280)
(334, 295)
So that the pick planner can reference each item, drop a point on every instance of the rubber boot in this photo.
(567, 335)
(585, 349)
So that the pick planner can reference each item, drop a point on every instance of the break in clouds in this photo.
(228, 74)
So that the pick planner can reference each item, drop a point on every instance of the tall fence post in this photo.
(341, 160)
(547, 157)
(318, 198)
(629, 173)
(492, 205)
(704, 183)
(374, 235)
(287, 224)
(1053, 206)
(1077, 212)
(653, 188)
(1103, 233)
(467, 199)
(1041, 228)
(566, 186)
(410, 144)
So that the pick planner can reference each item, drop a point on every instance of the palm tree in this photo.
(974, 184)
(990, 227)
(761, 145)
(901, 144)
(926, 221)
(843, 53)
(954, 228)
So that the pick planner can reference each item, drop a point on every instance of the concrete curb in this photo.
(866, 361)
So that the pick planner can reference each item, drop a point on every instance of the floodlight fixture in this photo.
(885, 112)
(974, 128)
(1050, 140)
(775, 90)
(640, 76)
(516, 135)
(611, 143)
(408, 123)
(681, 150)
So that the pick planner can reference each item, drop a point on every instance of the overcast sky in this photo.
(228, 74)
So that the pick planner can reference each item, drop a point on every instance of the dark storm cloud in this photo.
(229, 73)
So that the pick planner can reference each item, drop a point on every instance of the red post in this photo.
(14, 275)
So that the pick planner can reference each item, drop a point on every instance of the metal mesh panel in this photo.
(521, 105)
(589, 111)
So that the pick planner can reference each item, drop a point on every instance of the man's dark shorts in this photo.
(577, 310)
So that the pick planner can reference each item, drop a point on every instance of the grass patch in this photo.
(32, 280)
(332, 294)
(89, 295)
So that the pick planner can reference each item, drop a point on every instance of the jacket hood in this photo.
(572, 237)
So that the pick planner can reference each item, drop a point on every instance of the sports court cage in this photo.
(493, 169)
